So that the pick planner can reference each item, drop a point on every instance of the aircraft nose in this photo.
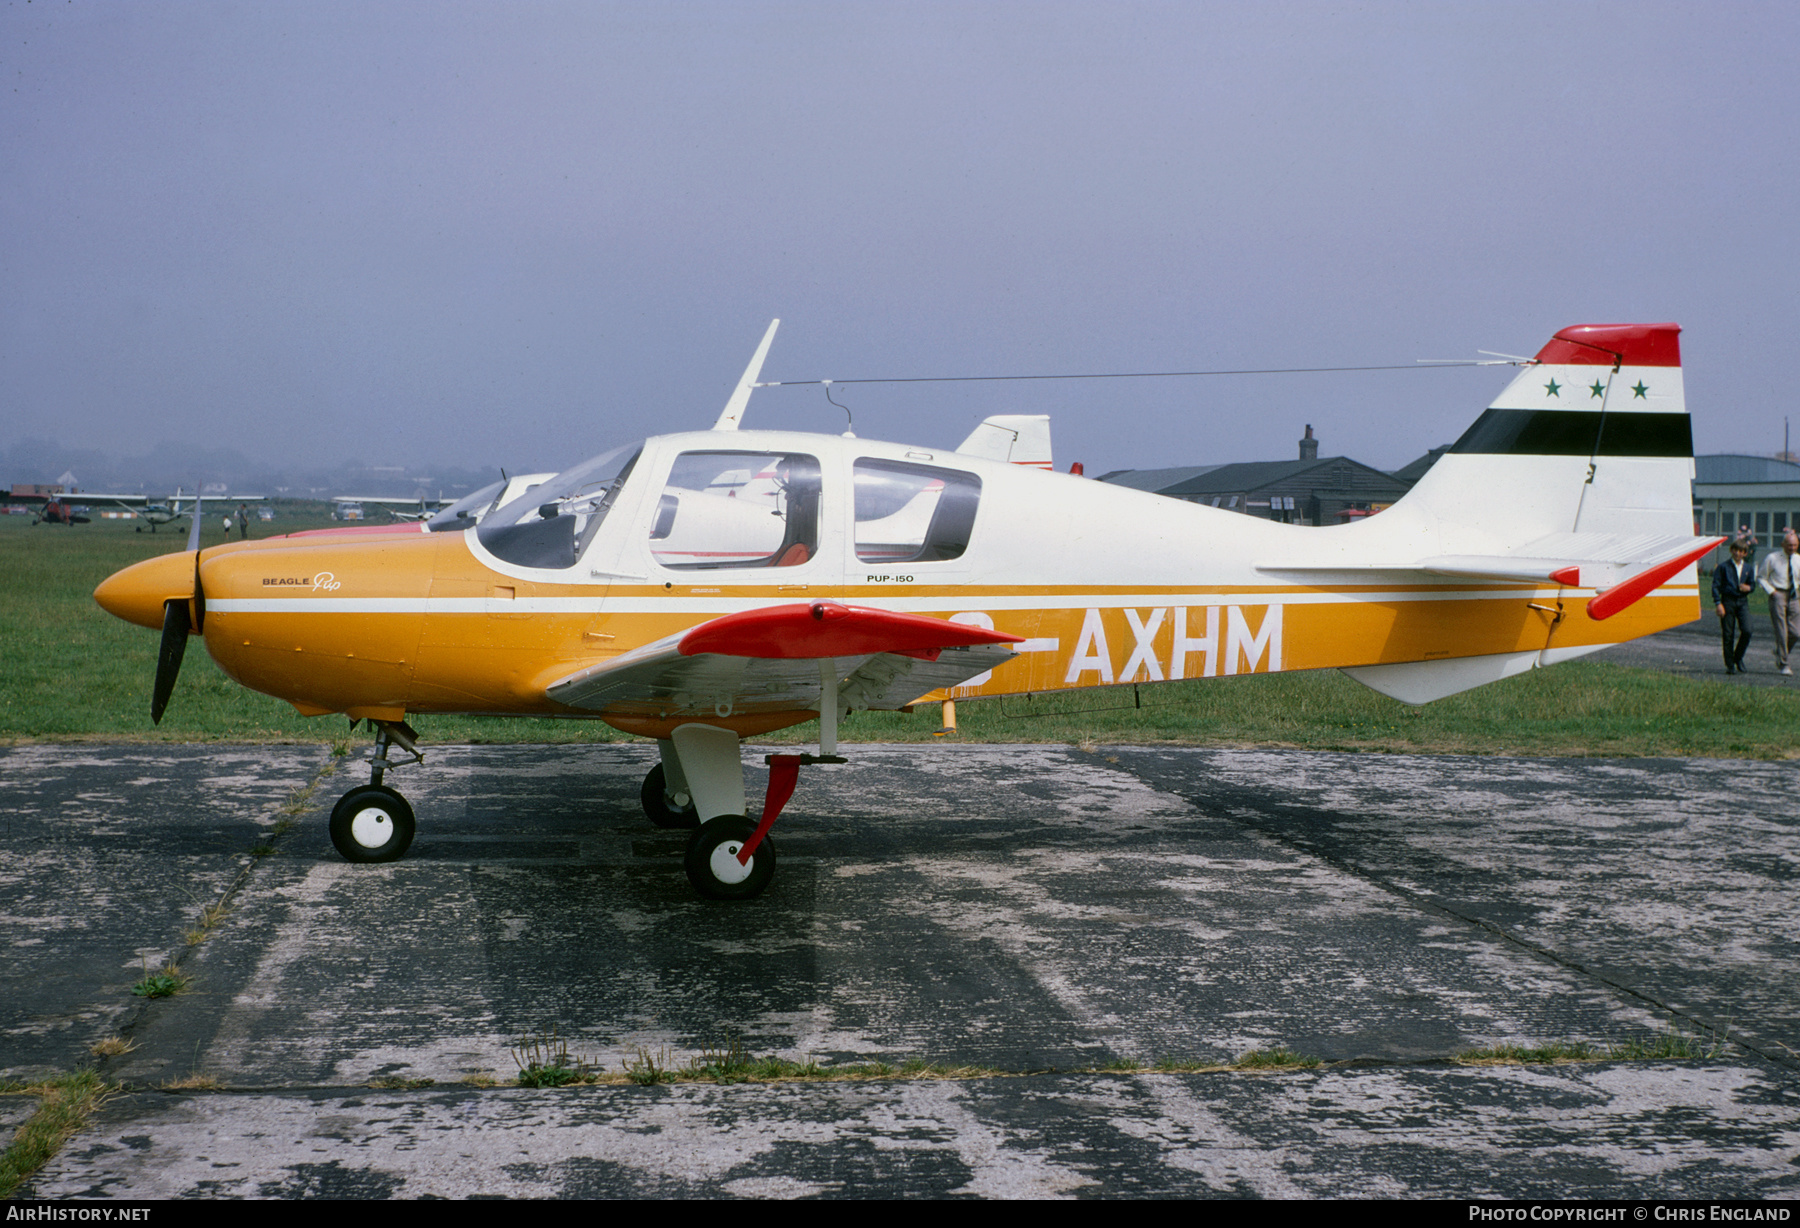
(137, 593)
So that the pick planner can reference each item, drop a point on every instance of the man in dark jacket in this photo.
(1732, 584)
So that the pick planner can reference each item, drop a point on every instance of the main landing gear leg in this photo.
(714, 774)
(372, 822)
(784, 770)
(729, 857)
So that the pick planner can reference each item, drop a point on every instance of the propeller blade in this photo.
(168, 657)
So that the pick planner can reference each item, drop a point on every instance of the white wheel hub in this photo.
(372, 828)
(724, 863)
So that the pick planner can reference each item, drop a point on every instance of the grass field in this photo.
(70, 672)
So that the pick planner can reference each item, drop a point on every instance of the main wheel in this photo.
(372, 823)
(712, 864)
(657, 803)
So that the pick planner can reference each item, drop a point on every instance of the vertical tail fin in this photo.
(1579, 477)
(1592, 437)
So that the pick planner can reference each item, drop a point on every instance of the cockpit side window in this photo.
(738, 509)
(551, 525)
(913, 513)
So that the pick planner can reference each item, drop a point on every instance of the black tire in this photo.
(372, 824)
(655, 799)
(711, 860)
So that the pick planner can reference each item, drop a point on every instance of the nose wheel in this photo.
(372, 823)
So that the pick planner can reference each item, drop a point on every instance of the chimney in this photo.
(1309, 447)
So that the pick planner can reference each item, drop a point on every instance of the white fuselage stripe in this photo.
(599, 604)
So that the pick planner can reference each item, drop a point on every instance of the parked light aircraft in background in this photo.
(705, 587)
(465, 513)
(157, 513)
(350, 507)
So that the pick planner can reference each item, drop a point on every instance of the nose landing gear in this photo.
(373, 823)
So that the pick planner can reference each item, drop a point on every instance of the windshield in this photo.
(467, 510)
(550, 525)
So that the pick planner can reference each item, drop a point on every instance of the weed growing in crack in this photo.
(649, 1068)
(730, 1064)
(210, 916)
(63, 1107)
(165, 982)
(1671, 1044)
(544, 1061)
(192, 1083)
(1278, 1058)
(1532, 1055)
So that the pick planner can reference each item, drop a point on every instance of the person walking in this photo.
(1733, 582)
(1779, 575)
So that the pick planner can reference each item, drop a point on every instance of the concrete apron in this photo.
(1016, 907)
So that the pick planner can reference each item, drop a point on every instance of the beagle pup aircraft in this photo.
(706, 587)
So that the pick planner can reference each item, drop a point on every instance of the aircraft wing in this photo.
(1620, 567)
(769, 660)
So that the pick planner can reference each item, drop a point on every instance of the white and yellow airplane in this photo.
(706, 587)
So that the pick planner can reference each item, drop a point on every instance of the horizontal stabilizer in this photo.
(1599, 561)
(1627, 593)
(1578, 560)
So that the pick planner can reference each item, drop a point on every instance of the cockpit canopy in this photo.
(736, 509)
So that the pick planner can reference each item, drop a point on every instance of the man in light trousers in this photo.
(1779, 575)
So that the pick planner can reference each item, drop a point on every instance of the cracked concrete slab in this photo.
(1028, 908)
(110, 854)
(1602, 1131)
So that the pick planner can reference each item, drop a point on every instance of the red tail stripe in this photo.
(1601, 345)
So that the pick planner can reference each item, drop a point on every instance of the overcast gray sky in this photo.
(482, 234)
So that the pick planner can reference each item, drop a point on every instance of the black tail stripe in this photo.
(1560, 432)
